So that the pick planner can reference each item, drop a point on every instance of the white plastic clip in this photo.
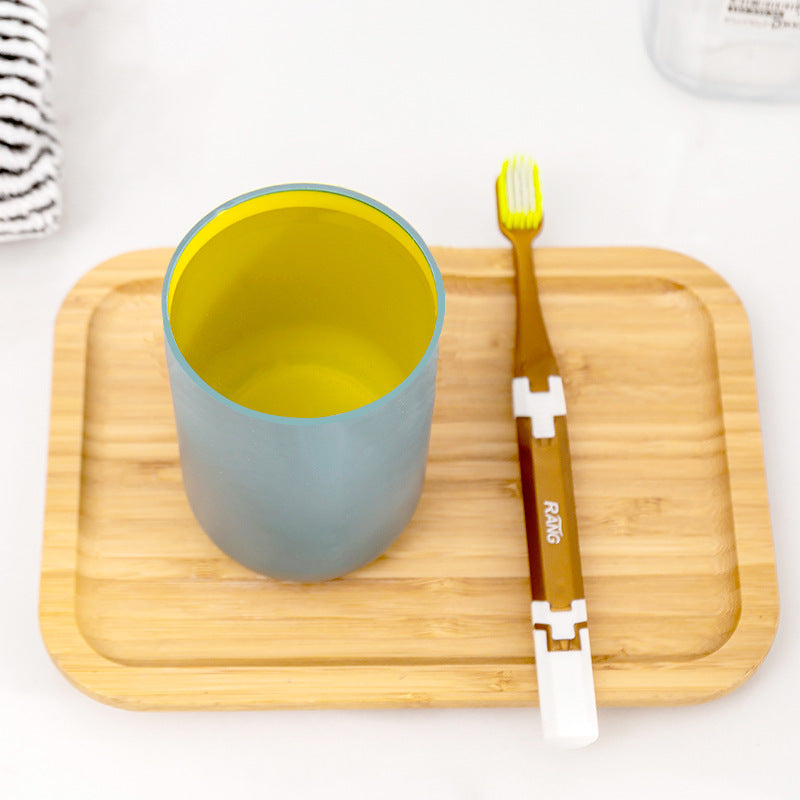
(541, 407)
(566, 685)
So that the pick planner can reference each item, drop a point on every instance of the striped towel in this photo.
(30, 198)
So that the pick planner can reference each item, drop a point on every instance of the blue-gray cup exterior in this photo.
(299, 498)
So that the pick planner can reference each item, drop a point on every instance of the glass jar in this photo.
(727, 48)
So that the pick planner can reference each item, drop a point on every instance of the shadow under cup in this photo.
(301, 326)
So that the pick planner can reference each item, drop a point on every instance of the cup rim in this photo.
(344, 415)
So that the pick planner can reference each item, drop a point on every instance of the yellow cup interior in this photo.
(302, 303)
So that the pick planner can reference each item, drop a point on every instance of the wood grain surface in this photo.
(139, 609)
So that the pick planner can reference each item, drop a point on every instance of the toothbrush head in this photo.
(519, 200)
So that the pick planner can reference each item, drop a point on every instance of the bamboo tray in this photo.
(139, 609)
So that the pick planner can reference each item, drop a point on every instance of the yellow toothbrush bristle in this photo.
(519, 199)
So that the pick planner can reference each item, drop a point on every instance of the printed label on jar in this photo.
(776, 14)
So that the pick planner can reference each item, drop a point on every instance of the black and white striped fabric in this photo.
(30, 155)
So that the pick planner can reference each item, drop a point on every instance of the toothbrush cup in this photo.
(301, 325)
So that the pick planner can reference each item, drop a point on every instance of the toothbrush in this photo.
(558, 608)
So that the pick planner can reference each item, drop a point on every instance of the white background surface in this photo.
(168, 108)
